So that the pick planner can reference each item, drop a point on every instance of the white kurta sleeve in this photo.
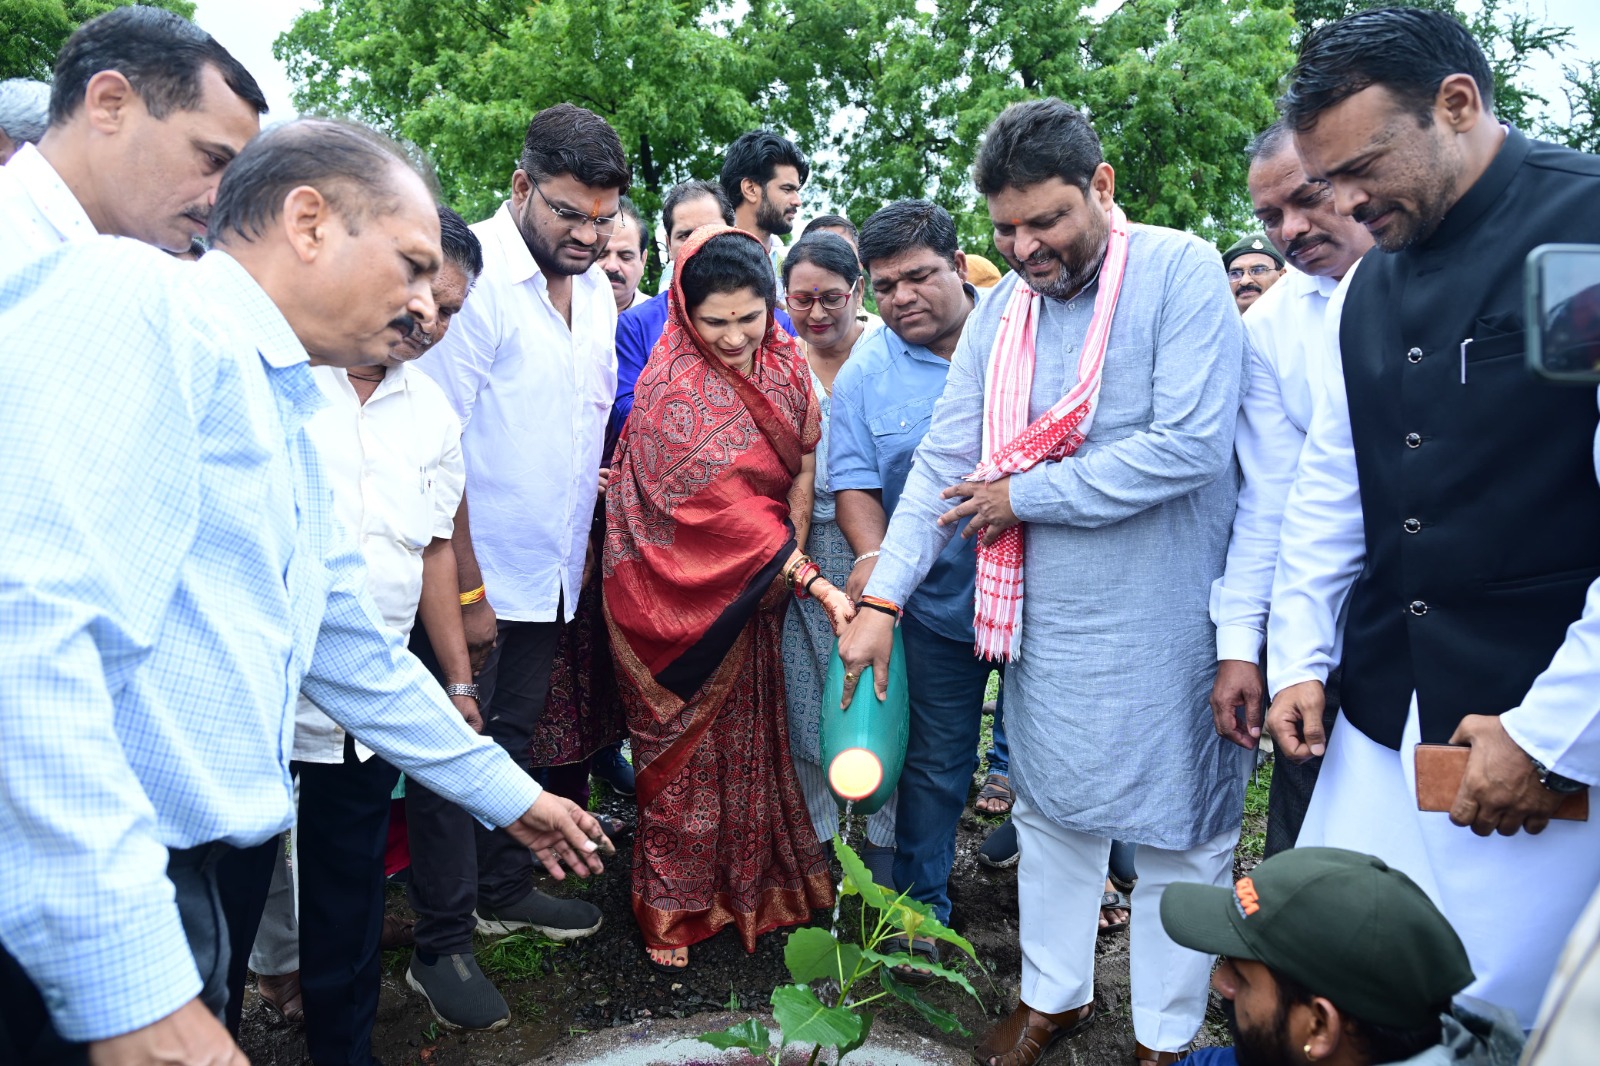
(1268, 445)
(1322, 542)
(1558, 722)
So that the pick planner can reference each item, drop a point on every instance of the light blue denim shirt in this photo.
(883, 402)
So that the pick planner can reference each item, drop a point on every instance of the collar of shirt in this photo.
(52, 199)
(514, 250)
(1485, 192)
(396, 379)
(288, 367)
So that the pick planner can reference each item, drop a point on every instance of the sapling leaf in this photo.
(749, 1034)
(856, 876)
(813, 954)
(946, 1022)
(866, 1017)
(915, 918)
(805, 1020)
(922, 962)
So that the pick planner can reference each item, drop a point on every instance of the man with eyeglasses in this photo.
(883, 402)
(530, 368)
(1253, 267)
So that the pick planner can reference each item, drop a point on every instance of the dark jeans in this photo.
(946, 682)
(243, 879)
(456, 863)
(1292, 784)
(998, 757)
(27, 1035)
(344, 827)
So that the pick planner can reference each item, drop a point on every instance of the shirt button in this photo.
(1414, 355)
(1413, 440)
(1412, 525)
(1418, 608)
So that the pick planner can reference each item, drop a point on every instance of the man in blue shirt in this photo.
(883, 399)
(174, 576)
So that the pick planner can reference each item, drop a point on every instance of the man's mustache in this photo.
(616, 279)
(1248, 286)
(407, 324)
(1304, 244)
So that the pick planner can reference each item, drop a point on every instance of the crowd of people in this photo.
(1182, 500)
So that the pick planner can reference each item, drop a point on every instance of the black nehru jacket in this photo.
(1481, 508)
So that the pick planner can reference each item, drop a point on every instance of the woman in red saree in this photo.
(701, 555)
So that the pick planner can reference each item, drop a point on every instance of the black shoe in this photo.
(458, 993)
(610, 767)
(555, 917)
(1000, 850)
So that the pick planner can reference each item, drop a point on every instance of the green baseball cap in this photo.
(1340, 923)
(1251, 243)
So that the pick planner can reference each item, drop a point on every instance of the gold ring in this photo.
(851, 677)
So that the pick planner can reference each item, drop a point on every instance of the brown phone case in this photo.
(1440, 768)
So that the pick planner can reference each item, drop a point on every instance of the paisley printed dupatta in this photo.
(697, 513)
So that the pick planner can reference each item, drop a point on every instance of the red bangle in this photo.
(803, 576)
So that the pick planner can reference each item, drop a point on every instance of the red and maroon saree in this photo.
(697, 529)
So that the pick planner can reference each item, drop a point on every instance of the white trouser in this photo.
(824, 809)
(1059, 883)
(1512, 900)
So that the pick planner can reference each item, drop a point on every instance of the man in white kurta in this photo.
(1287, 347)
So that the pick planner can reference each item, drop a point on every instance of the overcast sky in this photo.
(247, 28)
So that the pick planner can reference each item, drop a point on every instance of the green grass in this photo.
(1253, 838)
(518, 957)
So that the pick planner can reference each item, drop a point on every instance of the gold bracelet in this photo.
(469, 598)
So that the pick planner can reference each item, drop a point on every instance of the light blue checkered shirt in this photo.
(171, 576)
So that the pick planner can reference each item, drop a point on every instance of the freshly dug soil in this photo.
(603, 981)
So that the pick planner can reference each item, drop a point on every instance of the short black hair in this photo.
(827, 222)
(728, 262)
(1034, 141)
(567, 139)
(161, 54)
(755, 155)
(1269, 142)
(461, 246)
(685, 191)
(905, 225)
(1407, 50)
(628, 208)
(1379, 1043)
(353, 167)
(827, 250)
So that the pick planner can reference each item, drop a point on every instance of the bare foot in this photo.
(677, 958)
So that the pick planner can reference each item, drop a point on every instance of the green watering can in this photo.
(864, 748)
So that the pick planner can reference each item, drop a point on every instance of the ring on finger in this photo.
(851, 677)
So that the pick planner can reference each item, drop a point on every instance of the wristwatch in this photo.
(1554, 781)
(470, 691)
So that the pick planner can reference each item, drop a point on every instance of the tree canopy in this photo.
(33, 31)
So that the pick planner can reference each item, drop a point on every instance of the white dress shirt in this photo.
(1322, 540)
(37, 210)
(396, 470)
(1285, 327)
(533, 396)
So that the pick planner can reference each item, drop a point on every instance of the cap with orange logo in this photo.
(1342, 924)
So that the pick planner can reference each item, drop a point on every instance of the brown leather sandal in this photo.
(281, 994)
(1023, 1038)
(997, 790)
(1143, 1056)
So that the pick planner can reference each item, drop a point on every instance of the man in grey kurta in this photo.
(1106, 702)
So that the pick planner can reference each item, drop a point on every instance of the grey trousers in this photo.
(277, 948)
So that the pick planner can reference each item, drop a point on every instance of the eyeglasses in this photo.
(604, 225)
(800, 301)
(1235, 273)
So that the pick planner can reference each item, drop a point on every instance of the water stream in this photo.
(844, 837)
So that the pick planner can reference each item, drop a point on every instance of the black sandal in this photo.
(1115, 901)
(995, 787)
(928, 949)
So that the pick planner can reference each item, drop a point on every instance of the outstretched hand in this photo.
(561, 832)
